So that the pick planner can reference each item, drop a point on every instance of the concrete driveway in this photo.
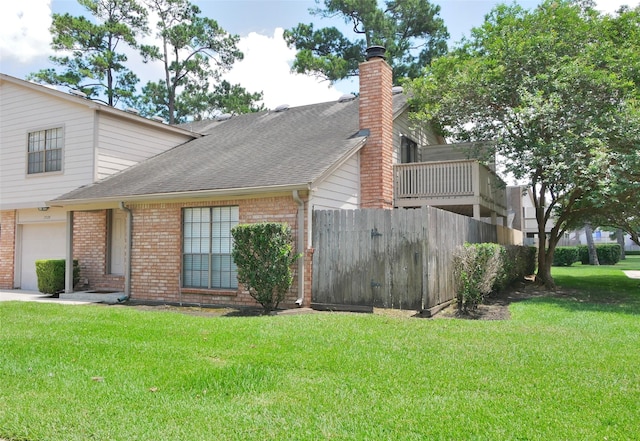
(76, 298)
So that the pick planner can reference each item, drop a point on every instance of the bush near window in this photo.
(480, 269)
(566, 256)
(263, 253)
(608, 254)
(51, 274)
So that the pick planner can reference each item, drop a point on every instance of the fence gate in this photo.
(398, 258)
(368, 258)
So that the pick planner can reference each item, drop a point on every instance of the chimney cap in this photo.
(375, 52)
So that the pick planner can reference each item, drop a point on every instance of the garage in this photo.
(39, 241)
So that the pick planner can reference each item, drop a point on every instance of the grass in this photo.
(561, 369)
(603, 282)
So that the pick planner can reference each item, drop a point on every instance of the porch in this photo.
(461, 186)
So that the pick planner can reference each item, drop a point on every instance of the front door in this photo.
(118, 241)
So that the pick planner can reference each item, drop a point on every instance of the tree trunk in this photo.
(593, 255)
(543, 276)
(620, 240)
(545, 260)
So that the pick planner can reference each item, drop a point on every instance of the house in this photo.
(52, 142)
(276, 165)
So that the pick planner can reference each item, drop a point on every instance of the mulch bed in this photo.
(496, 306)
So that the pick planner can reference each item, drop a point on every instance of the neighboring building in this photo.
(522, 214)
(52, 142)
(268, 166)
(602, 237)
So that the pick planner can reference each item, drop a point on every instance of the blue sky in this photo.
(24, 40)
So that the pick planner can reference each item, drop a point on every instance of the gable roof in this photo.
(245, 154)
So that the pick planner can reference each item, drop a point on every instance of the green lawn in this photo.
(563, 368)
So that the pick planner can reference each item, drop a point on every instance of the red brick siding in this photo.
(157, 250)
(376, 114)
(7, 248)
(90, 248)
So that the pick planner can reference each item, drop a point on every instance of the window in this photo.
(408, 151)
(207, 244)
(45, 151)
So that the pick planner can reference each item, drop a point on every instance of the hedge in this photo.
(487, 267)
(608, 254)
(51, 275)
(566, 256)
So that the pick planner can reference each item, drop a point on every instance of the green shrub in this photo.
(519, 261)
(583, 254)
(51, 275)
(264, 254)
(608, 254)
(476, 269)
(565, 256)
(480, 269)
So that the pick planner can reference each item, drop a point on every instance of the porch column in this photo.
(476, 211)
(68, 275)
(494, 218)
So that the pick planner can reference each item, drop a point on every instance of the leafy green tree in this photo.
(556, 89)
(194, 50)
(224, 98)
(410, 30)
(94, 62)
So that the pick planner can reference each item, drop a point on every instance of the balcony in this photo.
(462, 186)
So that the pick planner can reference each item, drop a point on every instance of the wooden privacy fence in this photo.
(398, 258)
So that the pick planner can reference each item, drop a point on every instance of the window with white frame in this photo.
(207, 245)
(44, 151)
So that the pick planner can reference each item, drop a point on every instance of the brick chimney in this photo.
(376, 116)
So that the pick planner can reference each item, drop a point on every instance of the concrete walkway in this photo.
(76, 298)
(633, 274)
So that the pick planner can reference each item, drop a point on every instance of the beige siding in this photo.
(123, 143)
(340, 190)
(423, 136)
(457, 152)
(24, 110)
(96, 142)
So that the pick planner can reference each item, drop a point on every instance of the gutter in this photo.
(127, 272)
(187, 195)
(300, 246)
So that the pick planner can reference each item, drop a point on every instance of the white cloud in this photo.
(24, 29)
(266, 67)
(611, 6)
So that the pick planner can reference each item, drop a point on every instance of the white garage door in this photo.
(40, 241)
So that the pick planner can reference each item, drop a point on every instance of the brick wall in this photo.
(7, 248)
(157, 246)
(376, 115)
(90, 248)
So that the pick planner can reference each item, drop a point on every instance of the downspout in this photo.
(127, 271)
(300, 246)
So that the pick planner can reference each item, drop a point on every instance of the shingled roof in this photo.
(269, 149)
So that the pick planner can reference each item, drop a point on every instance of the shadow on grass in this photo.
(580, 302)
(596, 290)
